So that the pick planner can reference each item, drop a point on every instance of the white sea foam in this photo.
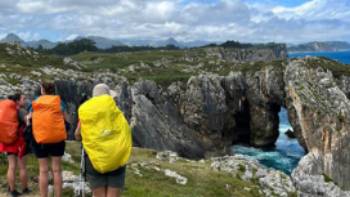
(285, 156)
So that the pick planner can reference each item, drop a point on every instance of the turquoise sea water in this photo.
(341, 56)
(284, 156)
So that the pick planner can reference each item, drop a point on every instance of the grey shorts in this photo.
(115, 179)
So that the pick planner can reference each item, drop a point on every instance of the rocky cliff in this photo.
(275, 52)
(207, 113)
(322, 112)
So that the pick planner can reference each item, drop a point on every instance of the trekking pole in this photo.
(82, 172)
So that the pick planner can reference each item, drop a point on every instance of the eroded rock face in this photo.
(344, 85)
(236, 108)
(272, 182)
(211, 112)
(322, 113)
(265, 97)
(277, 52)
(203, 106)
(208, 113)
(157, 124)
(310, 180)
(237, 118)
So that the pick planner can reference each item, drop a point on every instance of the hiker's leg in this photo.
(57, 175)
(11, 171)
(115, 182)
(43, 176)
(99, 192)
(113, 192)
(23, 172)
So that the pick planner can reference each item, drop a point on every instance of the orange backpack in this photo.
(8, 121)
(48, 120)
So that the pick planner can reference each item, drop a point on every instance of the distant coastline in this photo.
(342, 56)
(316, 46)
(321, 51)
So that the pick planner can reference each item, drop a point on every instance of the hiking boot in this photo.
(26, 191)
(14, 193)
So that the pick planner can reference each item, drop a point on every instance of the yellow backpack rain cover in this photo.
(106, 133)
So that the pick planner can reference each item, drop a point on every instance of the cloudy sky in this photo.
(213, 20)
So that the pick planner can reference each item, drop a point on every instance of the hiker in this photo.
(48, 127)
(106, 138)
(28, 132)
(12, 142)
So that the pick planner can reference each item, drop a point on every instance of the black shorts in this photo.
(115, 179)
(46, 150)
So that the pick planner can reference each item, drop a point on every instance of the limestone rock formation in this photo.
(203, 106)
(310, 180)
(322, 115)
(157, 124)
(265, 97)
(253, 54)
(272, 182)
(208, 113)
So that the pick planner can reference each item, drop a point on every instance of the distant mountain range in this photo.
(101, 42)
(14, 39)
(104, 43)
(319, 46)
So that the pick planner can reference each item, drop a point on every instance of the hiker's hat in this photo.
(101, 89)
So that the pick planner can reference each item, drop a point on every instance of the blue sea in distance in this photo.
(341, 56)
(284, 156)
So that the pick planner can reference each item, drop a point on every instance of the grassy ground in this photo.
(337, 68)
(31, 60)
(32, 169)
(115, 61)
(202, 181)
(177, 65)
(161, 66)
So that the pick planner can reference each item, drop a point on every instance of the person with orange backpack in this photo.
(48, 127)
(12, 141)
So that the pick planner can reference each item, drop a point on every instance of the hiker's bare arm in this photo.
(77, 133)
(28, 118)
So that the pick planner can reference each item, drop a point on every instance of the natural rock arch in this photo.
(203, 116)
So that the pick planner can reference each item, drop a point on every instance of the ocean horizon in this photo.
(341, 56)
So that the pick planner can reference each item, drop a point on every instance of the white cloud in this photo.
(160, 9)
(28, 35)
(29, 6)
(316, 10)
(71, 37)
(158, 19)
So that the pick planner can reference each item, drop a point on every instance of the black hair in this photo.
(37, 91)
(84, 97)
(49, 88)
(15, 97)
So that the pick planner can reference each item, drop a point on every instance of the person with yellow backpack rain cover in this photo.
(106, 138)
(49, 132)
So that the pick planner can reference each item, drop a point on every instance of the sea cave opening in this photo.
(284, 155)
